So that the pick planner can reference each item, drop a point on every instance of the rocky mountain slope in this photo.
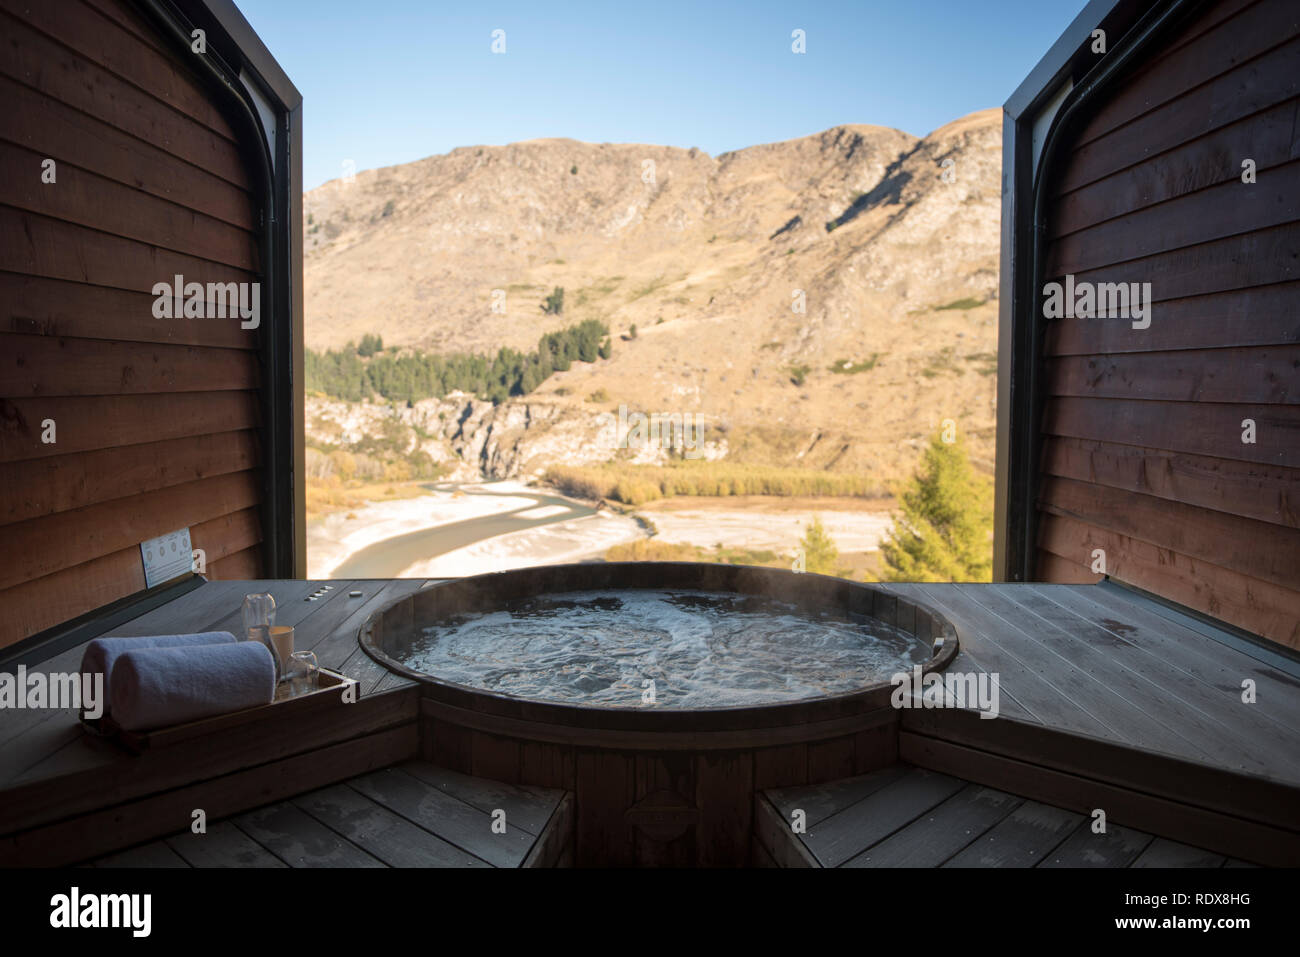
(825, 301)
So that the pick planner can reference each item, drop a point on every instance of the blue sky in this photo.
(390, 82)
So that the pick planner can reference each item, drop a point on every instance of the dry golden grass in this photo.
(335, 495)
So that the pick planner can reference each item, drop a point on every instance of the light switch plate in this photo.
(166, 557)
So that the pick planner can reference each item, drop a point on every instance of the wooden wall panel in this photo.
(56, 307)
(84, 423)
(45, 486)
(1144, 452)
(157, 419)
(1193, 54)
(50, 366)
(44, 125)
(39, 61)
(1249, 88)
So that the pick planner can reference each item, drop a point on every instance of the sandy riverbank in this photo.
(572, 541)
(502, 513)
(336, 537)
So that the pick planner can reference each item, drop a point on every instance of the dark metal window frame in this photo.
(1131, 28)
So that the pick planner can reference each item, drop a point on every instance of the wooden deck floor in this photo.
(39, 744)
(1087, 659)
(1098, 661)
(1092, 661)
(910, 817)
(412, 815)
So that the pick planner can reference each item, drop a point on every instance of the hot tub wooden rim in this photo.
(703, 577)
(641, 739)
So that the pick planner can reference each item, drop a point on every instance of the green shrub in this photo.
(945, 530)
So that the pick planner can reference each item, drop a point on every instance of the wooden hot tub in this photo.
(655, 786)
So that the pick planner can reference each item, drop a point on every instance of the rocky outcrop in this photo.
(517, 439)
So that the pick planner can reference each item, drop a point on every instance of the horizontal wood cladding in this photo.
(241, 566)
(42, 544)
(1259, 607)
(86, 423)
(103, 40)
(45, 602)
(1202, 428)
(41, 246)
(1262, 316)
(39, 61)
(1251, 87)
(1235, 262)
(56, 307)
(1270, 374)
(1257, 549)
(90, 200)
(1209, 160)
(1175, 449)
(157, 421)
(54, 366)
(1216, 212)
(46, 126)
(38, 487)
(1194, 54)
(1262, 492)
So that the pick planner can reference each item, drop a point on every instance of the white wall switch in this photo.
(166, 557)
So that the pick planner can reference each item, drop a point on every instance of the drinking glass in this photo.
(302, 672)
(259, 614)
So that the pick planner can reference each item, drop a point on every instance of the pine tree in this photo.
(944, 532)
(820, 555)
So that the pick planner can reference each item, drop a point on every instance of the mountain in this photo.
(893, 250)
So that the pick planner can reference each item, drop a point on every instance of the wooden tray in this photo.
(325, 697)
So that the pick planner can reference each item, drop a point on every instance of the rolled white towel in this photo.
(158, 687)
(101, 653)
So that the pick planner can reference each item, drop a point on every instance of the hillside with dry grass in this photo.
(698, 265)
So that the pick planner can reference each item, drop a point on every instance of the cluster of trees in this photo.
(355, 372)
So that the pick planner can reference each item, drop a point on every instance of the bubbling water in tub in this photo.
(701, 649)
